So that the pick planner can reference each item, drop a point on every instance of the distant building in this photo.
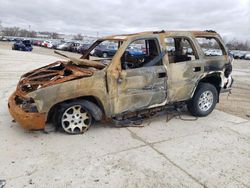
(45, 36)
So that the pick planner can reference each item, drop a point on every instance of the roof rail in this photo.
(210, 31)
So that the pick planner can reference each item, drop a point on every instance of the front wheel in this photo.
(204, 100)
(74, 117)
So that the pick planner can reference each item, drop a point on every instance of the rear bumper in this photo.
(27, 120)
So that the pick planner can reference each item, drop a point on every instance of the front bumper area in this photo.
(28, 120)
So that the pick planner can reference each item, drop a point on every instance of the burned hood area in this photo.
(55, 73)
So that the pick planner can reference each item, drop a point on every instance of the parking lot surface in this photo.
(208, 152)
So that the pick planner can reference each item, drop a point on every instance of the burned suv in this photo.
(171, 68)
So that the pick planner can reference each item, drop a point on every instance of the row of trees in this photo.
(18, 32)
(238, 45)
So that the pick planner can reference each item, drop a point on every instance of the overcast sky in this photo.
(231, 18)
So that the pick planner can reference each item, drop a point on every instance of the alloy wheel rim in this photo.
(206, 101)
(75, 119)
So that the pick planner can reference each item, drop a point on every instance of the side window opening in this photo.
(180, 49)
(141, 53)
(211, 46)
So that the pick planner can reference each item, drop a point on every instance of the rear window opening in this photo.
(211, 46)
(180, 49)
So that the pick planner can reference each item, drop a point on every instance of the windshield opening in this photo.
(103, 51)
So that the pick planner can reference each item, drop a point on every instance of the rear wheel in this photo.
(204, 100)
(75, 117)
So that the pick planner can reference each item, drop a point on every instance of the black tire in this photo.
(197, 106)
(80, 120)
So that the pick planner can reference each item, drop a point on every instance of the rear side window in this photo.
(211, 46)
(180, 49)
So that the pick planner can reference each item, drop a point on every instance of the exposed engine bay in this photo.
(58, 72)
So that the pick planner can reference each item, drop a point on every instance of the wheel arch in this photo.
(55, 107)
(213, 79)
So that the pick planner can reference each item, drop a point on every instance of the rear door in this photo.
(185, 67)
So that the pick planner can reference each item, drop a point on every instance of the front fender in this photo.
(46, 98)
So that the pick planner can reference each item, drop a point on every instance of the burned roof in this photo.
(161, 32)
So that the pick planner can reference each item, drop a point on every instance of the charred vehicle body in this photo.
(76, 92)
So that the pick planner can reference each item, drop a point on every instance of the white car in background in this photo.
(247, 56)
(239, 55)
(50, 44)
(212, 52)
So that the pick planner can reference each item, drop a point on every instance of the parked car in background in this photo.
(37, 42)
(56, 44)
(247, 56)
(62, 46)
(52, 44)
(24, 45)
(105, 51)
(135, 51)
(3, 38)
(67, 46)
(74, 46)
(212, 52)
(49, 44)
(81, 49)
(239, 54)
(46, 43)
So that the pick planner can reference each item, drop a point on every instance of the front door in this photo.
(143, 79)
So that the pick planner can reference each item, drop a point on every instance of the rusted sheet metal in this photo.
(52, 74)
(125, 37)
(28, 120)
(83, 62)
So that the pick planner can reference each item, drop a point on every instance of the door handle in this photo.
(162, 75)
(196, 69)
